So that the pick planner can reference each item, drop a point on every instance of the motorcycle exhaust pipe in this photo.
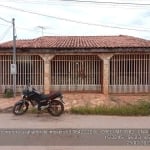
(44, 107)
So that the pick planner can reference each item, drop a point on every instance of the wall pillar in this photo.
(47, 71)
(106, 72)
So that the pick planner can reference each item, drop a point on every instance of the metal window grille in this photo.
(28, 67)
(76, 73)
(130, 73)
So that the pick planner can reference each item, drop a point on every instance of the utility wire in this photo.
(83, 1)
(55, 2)
(5, 33)
(74, 21)
(29, 30)
(114, 3)
(5, 20)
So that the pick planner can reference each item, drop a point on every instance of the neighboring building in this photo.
(102, 64)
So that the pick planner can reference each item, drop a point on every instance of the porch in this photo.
(105, 73)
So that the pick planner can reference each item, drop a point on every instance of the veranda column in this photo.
(47, 73)
(106, 72)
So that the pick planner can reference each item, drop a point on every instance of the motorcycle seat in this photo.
(44, 97)
(55, 95)
(50, 96)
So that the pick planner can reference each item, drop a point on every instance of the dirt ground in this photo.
(91, 99)
(82, 99)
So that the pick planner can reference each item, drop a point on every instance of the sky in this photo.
(36, 18)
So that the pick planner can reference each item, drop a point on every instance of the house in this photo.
(98, 64)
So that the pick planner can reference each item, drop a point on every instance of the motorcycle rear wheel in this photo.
(20, 109)
(56, 108)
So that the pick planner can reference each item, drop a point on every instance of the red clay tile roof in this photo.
(79, 42)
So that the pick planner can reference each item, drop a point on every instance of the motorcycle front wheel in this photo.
(56, 108)
(20, 108)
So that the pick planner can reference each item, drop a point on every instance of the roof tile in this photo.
(79, 42)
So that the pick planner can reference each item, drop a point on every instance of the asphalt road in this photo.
(67, 121)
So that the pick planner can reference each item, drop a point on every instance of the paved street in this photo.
(8, 120)
(74, 148)
(46, 121)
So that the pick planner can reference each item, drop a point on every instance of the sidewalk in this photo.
(7, 103)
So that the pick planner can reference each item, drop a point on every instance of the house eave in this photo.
(78, 50)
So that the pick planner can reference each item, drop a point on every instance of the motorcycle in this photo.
(52, 102)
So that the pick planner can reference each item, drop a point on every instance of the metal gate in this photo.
(28, 67)
(130, 73)
(76, 73)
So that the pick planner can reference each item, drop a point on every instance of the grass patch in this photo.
(8, 93)
(32, 110)
(139, 109)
